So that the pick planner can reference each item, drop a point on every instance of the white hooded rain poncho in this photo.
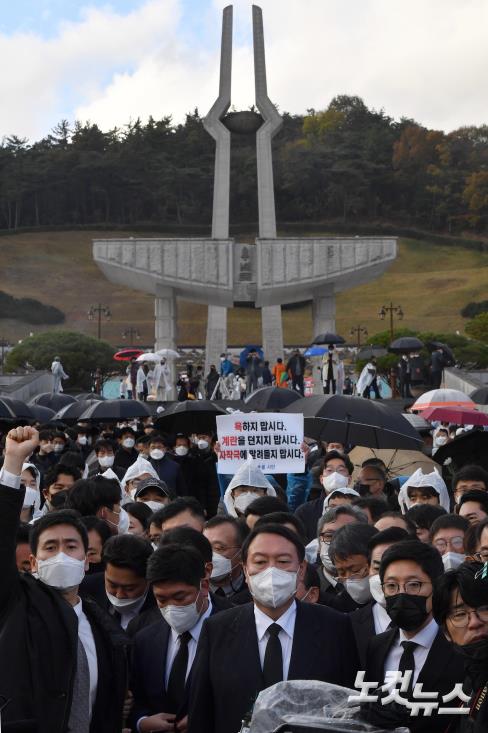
(247, 475)
(138, 468)
(32, 497)
(419, 479)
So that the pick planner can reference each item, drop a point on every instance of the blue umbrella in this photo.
(316, 351)
(246, 351)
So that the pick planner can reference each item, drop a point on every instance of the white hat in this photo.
(139, 467)
(247, 475)
(419, 479)
(341, 492)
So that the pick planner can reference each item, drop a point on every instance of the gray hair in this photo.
(330, 515)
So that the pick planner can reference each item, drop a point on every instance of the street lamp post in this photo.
(357, 331)
(392, 310)
(98, 311)
(132, 334)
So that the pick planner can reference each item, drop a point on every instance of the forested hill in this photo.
(347, 164)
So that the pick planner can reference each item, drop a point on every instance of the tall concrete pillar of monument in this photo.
(323, 313)
(165, 325)
(216, 341)
(271, 322)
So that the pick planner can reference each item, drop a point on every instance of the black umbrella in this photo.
(89, 396)
(480, 396)
(328, 338)
(112, 410)
(356, 421)
(449, 358)
(271, 398)
(367, 352)
(6, 412)
(41, 414)
(72, 412)
(21, 411)
(191, 416)
(55, 401)
(468, 448)
(405, 344)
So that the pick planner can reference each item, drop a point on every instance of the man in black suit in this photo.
(417, 647)
(164, 651)
(63, 661)
(226, 535)
(122, 589)
(246, 649)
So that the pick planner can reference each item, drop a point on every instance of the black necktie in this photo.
(407, 662)
(177, 675)
(219, 592)
(273, 657)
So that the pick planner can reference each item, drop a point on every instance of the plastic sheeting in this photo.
(317, 706)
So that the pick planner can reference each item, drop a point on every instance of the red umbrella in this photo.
(456, 415)
(127, 354)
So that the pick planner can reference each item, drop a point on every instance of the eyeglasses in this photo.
(411, 587)
(481, 556)
(455, 542)
(352, 575)
(339, 469)
(461, 617)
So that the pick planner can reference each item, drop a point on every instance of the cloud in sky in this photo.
(109, 64)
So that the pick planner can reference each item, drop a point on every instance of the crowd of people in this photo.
(143, 591)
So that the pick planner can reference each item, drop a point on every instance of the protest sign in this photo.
(272, 439)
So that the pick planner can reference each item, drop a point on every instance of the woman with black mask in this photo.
(460, 607)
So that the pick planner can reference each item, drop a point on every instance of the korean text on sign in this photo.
(273, 440)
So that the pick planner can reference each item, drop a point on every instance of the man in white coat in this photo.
(58, 375)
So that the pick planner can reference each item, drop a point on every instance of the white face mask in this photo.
(325, 557)
(82, 440)
(128, 442)
(181, 450)
(358, 589)
(376, 589)
(452, 560)
(440, 441)
(222, 566)
(334, 481)
(154, 506)
(202, 444)
(58, 447)
(106, 461)
(61, 571)
(30, 497)
(123, 522)
(124, 603)
(181, 618)
(243, 500)
(273, 587)
(156, 454)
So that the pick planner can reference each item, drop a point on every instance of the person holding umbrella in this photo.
(296, 370)
(330, 370)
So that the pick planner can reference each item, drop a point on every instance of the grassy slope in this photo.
(431, 282)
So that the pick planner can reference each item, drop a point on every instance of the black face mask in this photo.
(406, 611)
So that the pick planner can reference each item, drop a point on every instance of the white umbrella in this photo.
(442, 398)
(168, 353)
(148, 357)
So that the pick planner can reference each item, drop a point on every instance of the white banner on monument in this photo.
(272, 439)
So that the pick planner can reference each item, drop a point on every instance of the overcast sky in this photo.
(109, 62)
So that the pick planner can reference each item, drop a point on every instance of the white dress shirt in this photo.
(174, 644)
(424, 639)
(9, 479)
(287, 623)
(381, 619)
(87, 639)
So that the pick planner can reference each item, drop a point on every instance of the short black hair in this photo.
(311, 579)
(283, 518)
(336, 454)
(472, 590)
(448, 521)
(103, 444)
(158, 438)
(188, 537)
(45, 434)
(87, 496)
(398, 515)
(426, 556)
(240, 527)
(95, 524)
(352, 539)
(53, 473)
(127, 551)
(376, 463)
(265, 505)
(388, 536)
(140, 511)
(480, 497)
(377, 468)
(471, 472)
(332, 513)
(424, 515)
(176, 563)
(127, 429)
(23, 534)
(53, 519)
(277, 529)
(479, 529)
(178, 506)
(376, 506)
(72, 459)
